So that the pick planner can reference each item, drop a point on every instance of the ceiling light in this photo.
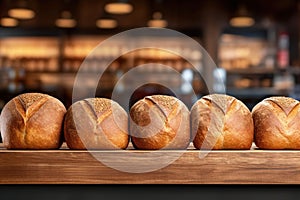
(242, 18)
(157, 21)
(118, 8)
(66, 20)
(8, 22)
(242, 21)
(21, 11)
(106, 23)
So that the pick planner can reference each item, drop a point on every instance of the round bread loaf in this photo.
(96, 123)
(32, 121)
(159, 122)
(221, 122)
(277, 123)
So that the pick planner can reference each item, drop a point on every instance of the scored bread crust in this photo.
(277, 124)
(96, 123)
(159, 122)
(32, 121)
(221, 122)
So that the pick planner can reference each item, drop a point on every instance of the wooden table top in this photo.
(188, 167)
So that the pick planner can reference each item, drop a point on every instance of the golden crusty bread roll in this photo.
(277, 123)
(159, 122)
(32, 121)
(96, 123)
(221, 122)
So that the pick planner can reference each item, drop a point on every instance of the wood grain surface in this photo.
(218, 167)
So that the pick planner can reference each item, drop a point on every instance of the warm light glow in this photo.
(106, 23)
(21, 13)
(65, 23)
(66, 20)
(118, 8)
(9, 22)
(158, 23)
(242, 18)
(242, 21)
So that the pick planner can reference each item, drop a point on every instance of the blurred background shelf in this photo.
(259, 59)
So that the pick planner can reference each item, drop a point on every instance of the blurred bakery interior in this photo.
(254, 44)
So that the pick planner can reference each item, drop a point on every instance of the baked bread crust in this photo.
(221, 122)
(159, 122)
(96, 123)
(277, 123)
(32, 121)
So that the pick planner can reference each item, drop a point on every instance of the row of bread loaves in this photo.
(39, 121)
(224, 122)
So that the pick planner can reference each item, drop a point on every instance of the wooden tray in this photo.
(218, 167)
